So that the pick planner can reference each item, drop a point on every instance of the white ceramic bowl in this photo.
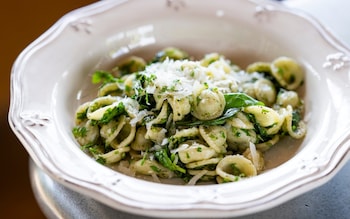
(51, 77)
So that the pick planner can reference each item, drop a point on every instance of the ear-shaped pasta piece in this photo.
(131, 64)
(234, 167)
(203, 163)
(125, 136)
(287, 72)
(296, 131)
(285, 98)
(111, 130)
(268, 144)
(208, 104)
(241, 121)
(149, 167)
(156, 134)
(181, 135)
(274, 129)
(159, 99)
(180, 106)
(140, 143)
(162, 116)
(248, 88)
(222, 65)
(112, 89)
(186, 133)
(100, 105)
(80, 113)
(265, 91)
(171, 53)
(240, 138)
(115, 155)
(264, 115)
(131, 107)
(195, 152)
(128, 84)
(89, 135)
(209, 58)
(226, 86)
(215, 137)
(262, 67)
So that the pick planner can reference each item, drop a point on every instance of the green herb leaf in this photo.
(296, 118)
(219, 121)
(237, 100)
(236, 171)
(261, 131)
(79, 131)
(112, 113)
(102, 77)
(163, 158)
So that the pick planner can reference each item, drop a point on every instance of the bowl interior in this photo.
(240, 36)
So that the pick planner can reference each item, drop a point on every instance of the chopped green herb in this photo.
(296, 117)
(112, 113)
(82, 115)
(223, 135)
(144, 157)
(101, 160)
(164, 159)
(79, 131)
(155, 169)
(102, 77)
(264, 111)
(236, 171)
(237, 100)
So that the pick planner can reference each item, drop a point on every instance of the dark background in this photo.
(21, 23)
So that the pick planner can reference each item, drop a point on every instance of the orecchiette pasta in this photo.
(215, 137)
(265, 91)
(208, 104)
(202, 121)
(287, 72)
(195, 152)
(233, 167)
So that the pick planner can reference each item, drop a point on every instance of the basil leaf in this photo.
(238, 100)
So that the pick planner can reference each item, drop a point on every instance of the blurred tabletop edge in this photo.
(21, 23)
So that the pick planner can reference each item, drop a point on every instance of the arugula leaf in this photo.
(218, 121)
(111, 113)
(163, 158)
(234, 103)
(102, 76)
(237, 100)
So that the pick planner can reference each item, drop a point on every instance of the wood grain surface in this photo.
(21, 23)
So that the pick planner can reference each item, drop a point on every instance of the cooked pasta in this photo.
(202, 120)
